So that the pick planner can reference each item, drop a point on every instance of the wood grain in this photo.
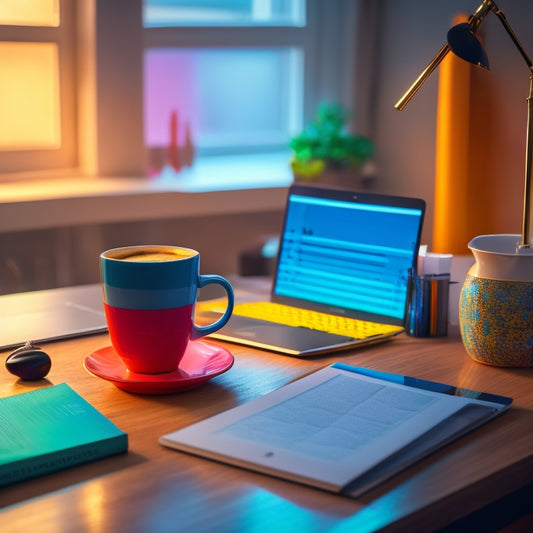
(153, 488)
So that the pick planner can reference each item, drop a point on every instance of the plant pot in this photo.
(496, 302)
(339, 175)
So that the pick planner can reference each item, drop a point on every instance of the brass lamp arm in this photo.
(474, 21)
(499, 13)
(526, 242)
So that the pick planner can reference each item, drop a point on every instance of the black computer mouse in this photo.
(29, 362)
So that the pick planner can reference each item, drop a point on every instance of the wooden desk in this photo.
(154, 489)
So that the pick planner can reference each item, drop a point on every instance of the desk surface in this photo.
(153, 488)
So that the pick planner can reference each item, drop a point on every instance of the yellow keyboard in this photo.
(294, 316)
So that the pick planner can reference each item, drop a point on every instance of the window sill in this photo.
(211, 188)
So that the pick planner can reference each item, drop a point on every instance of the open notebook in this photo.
(341, 277)
(343, 429)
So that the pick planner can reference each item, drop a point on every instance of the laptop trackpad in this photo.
(284, 338)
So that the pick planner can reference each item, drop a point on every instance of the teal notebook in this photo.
(51, 429)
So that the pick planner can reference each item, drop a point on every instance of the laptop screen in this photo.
(348, 253)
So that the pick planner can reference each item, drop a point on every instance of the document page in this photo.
(325, 429)
(333, 419)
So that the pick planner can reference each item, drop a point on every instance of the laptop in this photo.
(51, 314)
(344, 257)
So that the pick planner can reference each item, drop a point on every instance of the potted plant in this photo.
(326, 151)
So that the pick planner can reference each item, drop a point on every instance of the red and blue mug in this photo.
(149, 298)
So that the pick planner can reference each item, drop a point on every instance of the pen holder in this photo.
(427, 305)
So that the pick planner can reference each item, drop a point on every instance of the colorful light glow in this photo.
(29, 12)
(29, 96)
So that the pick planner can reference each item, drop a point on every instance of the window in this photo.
(232, 99)
(220, 91)
(226, 81)
(125, 87)
(36, 96)
(29, 96)
(165, 13)
(30, 13)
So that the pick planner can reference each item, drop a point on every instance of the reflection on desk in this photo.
(156, 489)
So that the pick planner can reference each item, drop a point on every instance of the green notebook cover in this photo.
(51, 429)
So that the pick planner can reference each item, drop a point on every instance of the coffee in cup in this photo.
(157, 256)
(149, 298)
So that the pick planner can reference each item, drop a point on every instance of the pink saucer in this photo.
(201, 362)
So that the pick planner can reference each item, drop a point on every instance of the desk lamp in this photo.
(496, 303)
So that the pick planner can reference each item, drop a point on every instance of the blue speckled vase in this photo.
(496, 303)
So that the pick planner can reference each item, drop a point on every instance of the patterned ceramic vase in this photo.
(496, 303)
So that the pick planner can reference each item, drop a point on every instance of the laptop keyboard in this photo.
(297, 317)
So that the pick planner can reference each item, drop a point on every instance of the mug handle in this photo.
(201, 331)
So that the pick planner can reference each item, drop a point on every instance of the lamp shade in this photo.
(466, 45)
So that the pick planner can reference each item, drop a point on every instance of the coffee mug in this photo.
(149, 298)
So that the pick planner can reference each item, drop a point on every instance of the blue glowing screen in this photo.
(349, 255)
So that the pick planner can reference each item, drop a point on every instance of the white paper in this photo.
(325, 429)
